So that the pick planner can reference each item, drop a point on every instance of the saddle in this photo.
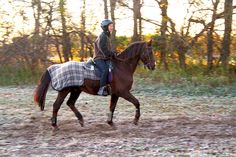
(91, 65)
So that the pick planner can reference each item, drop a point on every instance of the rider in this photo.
(103, 54)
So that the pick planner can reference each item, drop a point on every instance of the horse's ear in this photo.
(150, 43)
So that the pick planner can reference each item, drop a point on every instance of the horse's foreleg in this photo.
(129, 97)
(56, 106)
(71, 103)
(113, 102)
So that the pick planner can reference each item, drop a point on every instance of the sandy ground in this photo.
(170, 125)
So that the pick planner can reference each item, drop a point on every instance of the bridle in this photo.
(143, 55)
(146, 58)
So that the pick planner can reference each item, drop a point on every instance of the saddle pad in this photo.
(69, 74)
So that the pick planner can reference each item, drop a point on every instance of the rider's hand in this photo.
(113, 54)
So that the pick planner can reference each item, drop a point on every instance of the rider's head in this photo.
(107, 25)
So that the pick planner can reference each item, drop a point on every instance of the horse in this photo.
(124, 67)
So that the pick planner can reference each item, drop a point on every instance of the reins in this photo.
(119, 59)
(149, 57)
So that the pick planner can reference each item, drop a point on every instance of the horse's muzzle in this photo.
(151, 66)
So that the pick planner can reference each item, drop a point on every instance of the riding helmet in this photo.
(105, 24)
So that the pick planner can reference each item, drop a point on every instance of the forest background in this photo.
(194, 41)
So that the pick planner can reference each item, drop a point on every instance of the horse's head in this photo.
(139, 50)
(147, 56)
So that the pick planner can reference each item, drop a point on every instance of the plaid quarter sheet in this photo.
(69, 74)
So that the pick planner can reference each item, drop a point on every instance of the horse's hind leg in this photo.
(71, 103)
(56, 106)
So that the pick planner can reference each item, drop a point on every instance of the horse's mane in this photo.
(132, 50)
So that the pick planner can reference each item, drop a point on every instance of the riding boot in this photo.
(102, 91)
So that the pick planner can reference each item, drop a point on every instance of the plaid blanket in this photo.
(69, 74)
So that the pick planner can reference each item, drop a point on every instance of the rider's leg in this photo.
(103, 68)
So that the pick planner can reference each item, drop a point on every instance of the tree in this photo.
(137, 28)
(112, 11)
(163, 4)
(181, 46)
(6, 27)
(225, 50)
(105, 9)
(37, 8)
(82, 32)
(189, 42)
(210, 31)
(53, 37)
(39, 52)
(137, 17)
(66, 43)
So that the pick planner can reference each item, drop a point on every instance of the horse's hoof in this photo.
(55, 128)
(135, 122)
(110, 123)
(81, 122)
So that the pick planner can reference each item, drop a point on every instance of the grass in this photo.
(13, 75)
(196, 75)
(192, 81)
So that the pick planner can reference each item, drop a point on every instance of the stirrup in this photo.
(102, 91)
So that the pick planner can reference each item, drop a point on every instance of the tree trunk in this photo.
(163, 6)
(113, 35)
(65, 35)
(37, 52)
(210, 42)
(36, 4)
(182, 59)
(225, 51)
(58, 50)
(210, 48)
(82, 32)
(54, 34)
(137, 20)
(105, 9)
(140, 20)
(181, 45)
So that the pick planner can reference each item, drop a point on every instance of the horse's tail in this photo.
(41, 91)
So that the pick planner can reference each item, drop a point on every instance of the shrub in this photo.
(12, 75)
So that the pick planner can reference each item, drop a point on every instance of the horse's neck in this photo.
(127, 67)
(131, 64)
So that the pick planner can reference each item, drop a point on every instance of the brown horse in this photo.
(124, 67)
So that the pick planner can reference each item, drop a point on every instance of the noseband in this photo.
(147, 55)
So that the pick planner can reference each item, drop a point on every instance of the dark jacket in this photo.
(102, 46)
